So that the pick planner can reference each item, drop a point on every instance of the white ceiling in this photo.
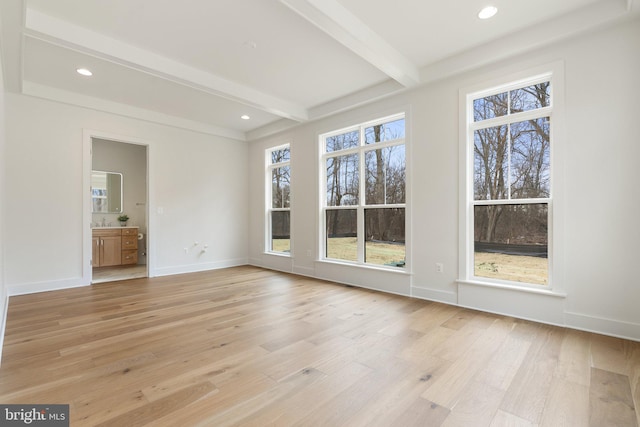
(201, 64)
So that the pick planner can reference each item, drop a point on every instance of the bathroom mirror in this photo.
(106, 192)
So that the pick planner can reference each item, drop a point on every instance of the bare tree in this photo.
(342, 180)
(511, 161)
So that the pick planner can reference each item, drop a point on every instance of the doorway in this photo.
(119, 209)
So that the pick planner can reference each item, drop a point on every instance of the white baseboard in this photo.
(304, 271)
(599, 325)
(52, 285)
(194, 268)
(373, 280)
(434, 295)
(256, 262)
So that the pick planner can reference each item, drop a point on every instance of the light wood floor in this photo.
(246, 346)
(120, 272)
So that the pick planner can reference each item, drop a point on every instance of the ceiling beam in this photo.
(346, 28)
(66, 34)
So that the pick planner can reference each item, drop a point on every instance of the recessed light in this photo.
(84, 72)
(487, 12)
(245, 117)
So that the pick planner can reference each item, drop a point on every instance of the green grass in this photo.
(516, 268)
(346, 248)
(281, 245)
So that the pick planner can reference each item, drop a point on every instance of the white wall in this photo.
(198, 180)
(599, 195)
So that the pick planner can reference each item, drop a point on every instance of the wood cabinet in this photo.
(115, 246)
(129, 246)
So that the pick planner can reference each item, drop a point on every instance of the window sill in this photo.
(366, 267)
(280, 254)
(516, 288)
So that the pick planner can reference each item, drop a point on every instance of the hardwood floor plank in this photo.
(145, 414)
(344, 406)
(611, 354)
(262, 405)
(345, 351)
(248, 346)
(211, 371)
(447, 389)
(574, 360)
(422, 413)
(459, 342)
(427, 344)
(610, 400)
(528, 392)
(394, 401)
(377, 350)
(476, 406)
(289, 412)
(244, 387)
(634, 378)
(505, 419)
(460, 319)
(98, 407)
(505, 363)
(567, 404)
(438, 314)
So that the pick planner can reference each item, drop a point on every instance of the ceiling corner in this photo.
(11, 21)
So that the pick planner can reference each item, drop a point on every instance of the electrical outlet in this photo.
(309, 253)
(186, 250)
(439, 267)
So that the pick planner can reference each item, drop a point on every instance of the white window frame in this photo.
(361, 149)
(553, 73)
(270, 167)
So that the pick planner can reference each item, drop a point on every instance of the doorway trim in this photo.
(87, 139)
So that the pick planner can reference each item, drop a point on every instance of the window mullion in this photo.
(512, 118)
(484, 202)
(508, 177)
(343, 152)
(385, 206)
(361, 236)
(362, 196)
(384, 144)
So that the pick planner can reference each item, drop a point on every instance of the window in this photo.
(509, 182)
(279, 199)
(364, 193)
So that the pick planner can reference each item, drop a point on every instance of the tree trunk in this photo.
(379, 189)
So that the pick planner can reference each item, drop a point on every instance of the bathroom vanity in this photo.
(114, 246)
